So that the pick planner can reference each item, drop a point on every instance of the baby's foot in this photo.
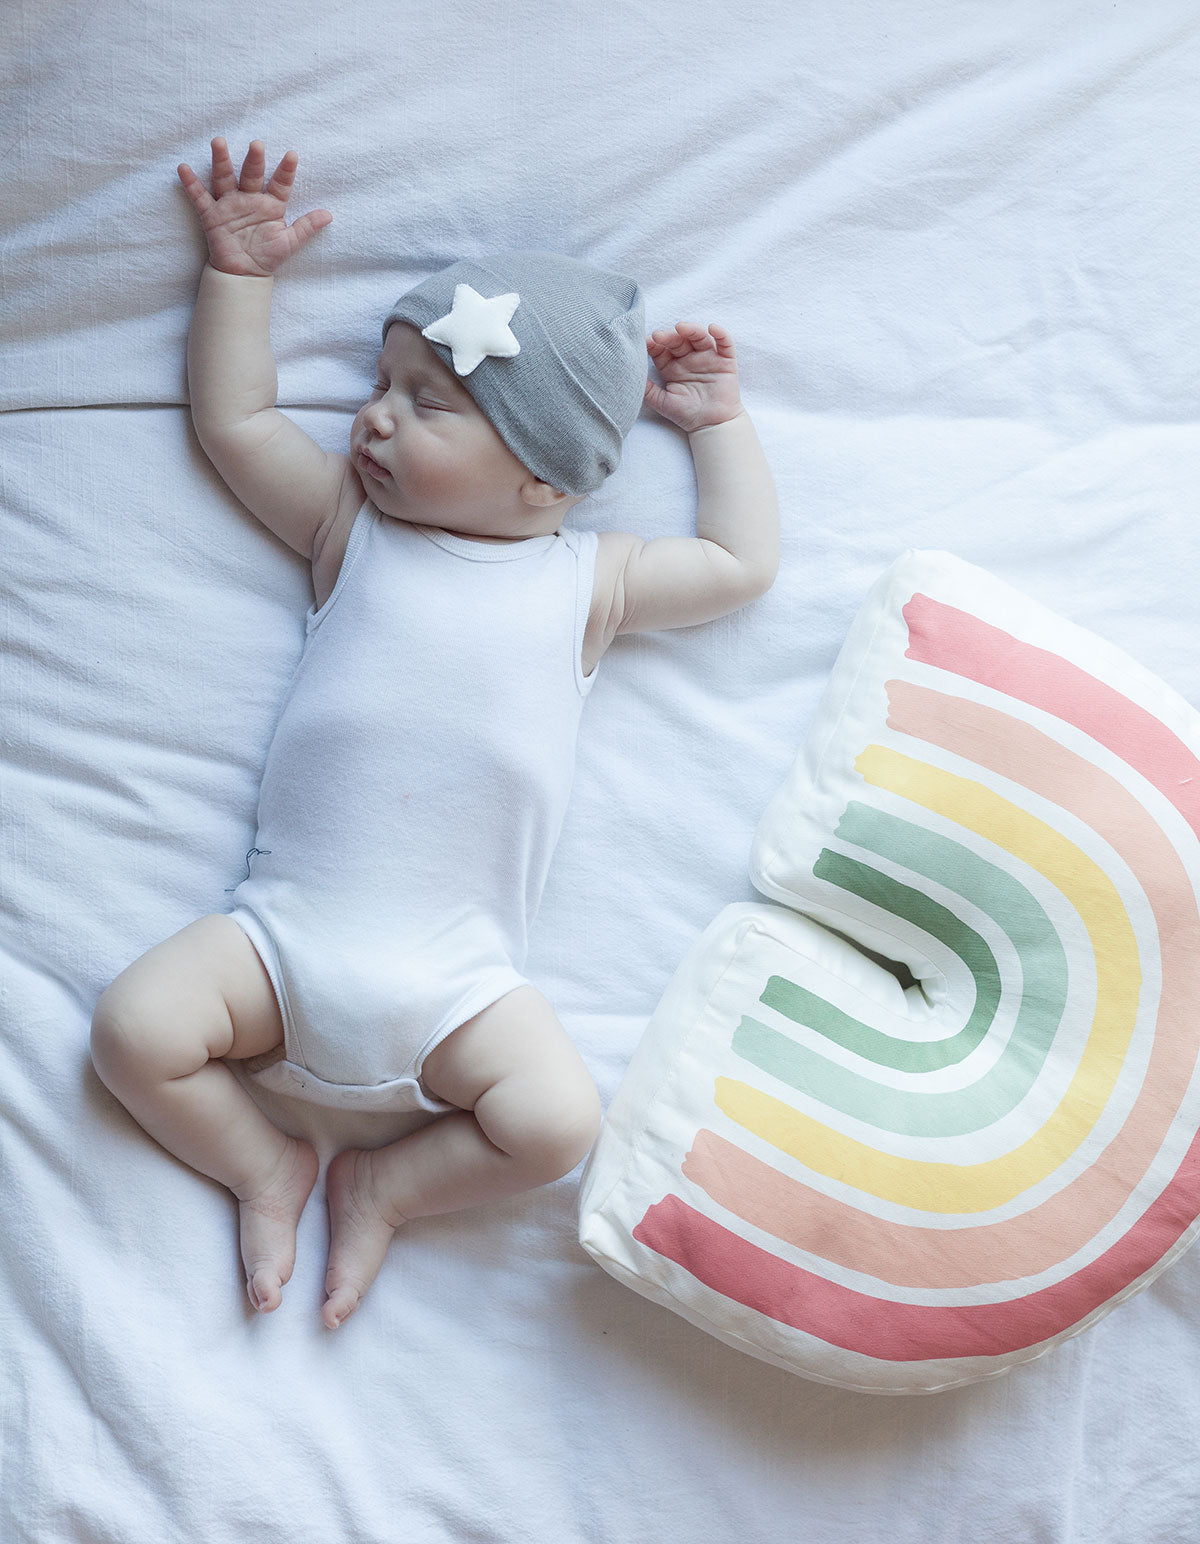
(268, 1218)
(359, 1233)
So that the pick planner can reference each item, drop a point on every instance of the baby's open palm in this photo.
(245, 223)
(699, 372)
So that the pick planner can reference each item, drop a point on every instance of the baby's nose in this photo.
(377, 419)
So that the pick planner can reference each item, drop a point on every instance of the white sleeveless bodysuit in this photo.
(412, 797)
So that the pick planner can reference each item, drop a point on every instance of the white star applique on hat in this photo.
(475, 328)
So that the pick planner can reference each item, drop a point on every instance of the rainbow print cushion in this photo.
(936, 1111)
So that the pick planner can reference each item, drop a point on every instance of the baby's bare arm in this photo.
(280, 474)
(734, 557)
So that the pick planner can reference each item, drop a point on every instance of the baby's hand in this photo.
(245, 223)
(699, 369)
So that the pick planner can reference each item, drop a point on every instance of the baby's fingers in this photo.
(684, 338)
(251, 180)
(692, 334)
(280, 185)
(720, 336)
(667, 343)
(701, 339)
(194, 188)
(223, 178)
(309, 224)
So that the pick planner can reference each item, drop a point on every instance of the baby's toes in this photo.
(359, 1234)
(265, 1289)
(339, 1305)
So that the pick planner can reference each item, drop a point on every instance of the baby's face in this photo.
(428, 455)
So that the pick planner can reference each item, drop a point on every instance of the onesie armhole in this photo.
(585, 545)
(354, 545)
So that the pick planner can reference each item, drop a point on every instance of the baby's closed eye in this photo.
(423, 399)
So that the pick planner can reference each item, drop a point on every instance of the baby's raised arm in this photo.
(280, 474)
(734, 557)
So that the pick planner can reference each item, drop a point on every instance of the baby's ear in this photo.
(540, 494)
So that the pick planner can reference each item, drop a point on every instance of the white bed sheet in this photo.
(956, 244)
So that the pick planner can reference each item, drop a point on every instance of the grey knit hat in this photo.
(552, 349)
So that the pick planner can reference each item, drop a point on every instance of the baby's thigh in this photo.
(205, 987)
(516, 1068)
(517, 1040)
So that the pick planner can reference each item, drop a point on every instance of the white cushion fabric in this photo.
(942, 1114)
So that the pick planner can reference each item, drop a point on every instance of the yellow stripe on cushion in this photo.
(965, 1188)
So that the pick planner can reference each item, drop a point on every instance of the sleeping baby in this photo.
(419, 772)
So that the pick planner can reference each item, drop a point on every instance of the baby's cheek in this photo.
(443, 468)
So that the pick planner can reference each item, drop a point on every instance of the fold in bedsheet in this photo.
(955, 244)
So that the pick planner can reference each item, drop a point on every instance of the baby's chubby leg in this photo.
(159, 1034)
(528, 1112)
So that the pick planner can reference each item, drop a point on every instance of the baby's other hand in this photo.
(699, 371)
(245, 223)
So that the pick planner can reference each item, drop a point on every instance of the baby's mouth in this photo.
(372, 467)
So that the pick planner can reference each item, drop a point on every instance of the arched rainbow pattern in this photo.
(1013, 793)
